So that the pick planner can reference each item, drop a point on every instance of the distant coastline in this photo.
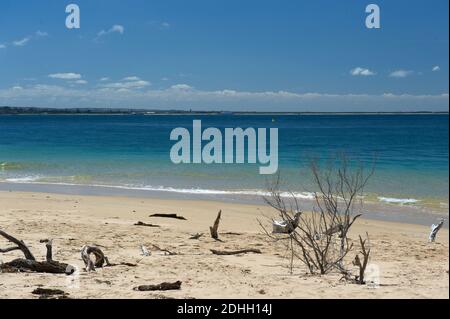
(8, 110)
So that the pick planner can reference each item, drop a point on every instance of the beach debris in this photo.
(175, 216)
(321, 239)
(100, 258)
(145, 224)
(435, 229)
(286, 226)
(215, 227)
(237, 252)
(45, 293)
(165, 251)
(365, 251)
(30, 264)
(145, 251)
(196, 236)
(160, 287)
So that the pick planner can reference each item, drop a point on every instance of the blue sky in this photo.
(226, 55)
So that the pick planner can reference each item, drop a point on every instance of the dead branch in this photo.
(215, 227)
(362, 265)
(7, 250)
(175, 216)
(20, 245)
(161, 287)
(29, 264)
(237, 252)
(145, 224)
(196, 236)
(121, 264)
(165, 251)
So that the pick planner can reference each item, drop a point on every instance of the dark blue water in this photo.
(133, 151)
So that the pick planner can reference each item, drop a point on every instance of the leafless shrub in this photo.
(320, 240)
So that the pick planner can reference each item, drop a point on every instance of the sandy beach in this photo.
(409, 266)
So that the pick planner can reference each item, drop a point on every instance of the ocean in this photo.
(131, 152)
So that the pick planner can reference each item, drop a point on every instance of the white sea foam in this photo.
(400, 201)
(195, 191)
(25, 179)
(201, 191)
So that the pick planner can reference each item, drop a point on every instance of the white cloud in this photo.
(181, 87)
(182, 95)
(41, 34)
(131, 78)
(436, 68)
(104, 79)
(22, 42)
(65, 76)
(81, 82)
(165, 25)
(2, 46)
(26, 40)
(361, 71)
(127, 85)
(401, 73)
(117, 28)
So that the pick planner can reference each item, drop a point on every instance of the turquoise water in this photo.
(133, 152)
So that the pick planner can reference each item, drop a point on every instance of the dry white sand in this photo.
(409, 266)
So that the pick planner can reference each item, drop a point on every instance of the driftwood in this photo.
(196, 236)
(100, 258)
(435, 229)
(30, 264)
(20, 245)
(121, 264)
(286, 226)
(165, 251)
(237, 252)
(145, 224)
(44, 293)
(175, 216)
(161, 287)
(362, 265)
(215, 227)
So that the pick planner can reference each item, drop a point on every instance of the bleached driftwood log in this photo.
(30, 264)
(215, 227)
(100, 258)
(435, 229)
(286, 226)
